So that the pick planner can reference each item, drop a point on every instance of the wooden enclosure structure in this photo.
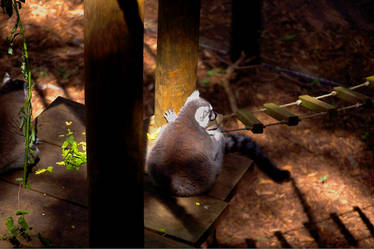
(245, 29)
(114, 74)
(348, 95)
(177, 53)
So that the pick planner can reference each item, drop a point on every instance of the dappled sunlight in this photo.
(54, 33)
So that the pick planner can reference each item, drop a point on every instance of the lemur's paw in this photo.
(170, 115)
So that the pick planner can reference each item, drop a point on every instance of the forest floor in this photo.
(331, 160)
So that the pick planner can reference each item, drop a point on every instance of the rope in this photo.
(298, 102)
(306, 116)
(303, 75)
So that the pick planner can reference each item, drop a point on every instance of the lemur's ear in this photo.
(194, 95)
(6, 78)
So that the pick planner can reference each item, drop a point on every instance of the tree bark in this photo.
(177, 54)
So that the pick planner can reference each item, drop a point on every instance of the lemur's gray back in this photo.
(12, 98)
(186, 158)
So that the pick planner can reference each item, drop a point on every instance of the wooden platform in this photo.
(58, 201)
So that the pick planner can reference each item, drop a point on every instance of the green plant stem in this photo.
(27, 105)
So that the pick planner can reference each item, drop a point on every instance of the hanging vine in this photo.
(10, 7)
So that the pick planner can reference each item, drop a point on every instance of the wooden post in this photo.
(114, 65)
(246, 28)
(177, 54)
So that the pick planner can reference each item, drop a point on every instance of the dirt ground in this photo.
(331, 160)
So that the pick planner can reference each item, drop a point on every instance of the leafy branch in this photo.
(74, 158)
(26, 110)
(18, 234)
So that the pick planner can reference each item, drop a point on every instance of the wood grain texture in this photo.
(187, 218)
(49, 216)
(155, 240)
(113, 51)
(234, 168)
(177, 54)
(69, 185)
(50, 124)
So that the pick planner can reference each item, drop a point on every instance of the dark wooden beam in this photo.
(177, 54)
(246, 29)
(114, 120)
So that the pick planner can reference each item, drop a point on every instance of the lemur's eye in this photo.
(212, 115)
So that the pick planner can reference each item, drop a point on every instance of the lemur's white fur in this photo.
(6, 78)
(186, 158)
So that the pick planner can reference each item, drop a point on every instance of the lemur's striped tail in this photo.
(246, 146)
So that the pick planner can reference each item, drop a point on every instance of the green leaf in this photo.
(46, 242)
(365, 136)
(261, 238)
(323, 178)
(22, 222)
(22, 212)
(67, 75)
(288, 37)
(221, 71)
(10, 226)
(316, 82)
(211, 73)
(162, 230)
(40, 171)
(204, 81)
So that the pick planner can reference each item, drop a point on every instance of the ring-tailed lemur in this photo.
(187, 157)
(13, 93)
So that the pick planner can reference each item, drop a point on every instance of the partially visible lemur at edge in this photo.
(13, 93)
(187, 157)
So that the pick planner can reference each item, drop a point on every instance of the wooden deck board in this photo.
(51, 122)
(155, 240)
(187, 218)
(65, 224)
(234, 168)
(65, 184)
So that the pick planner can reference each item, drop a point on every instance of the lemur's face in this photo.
(204, 114)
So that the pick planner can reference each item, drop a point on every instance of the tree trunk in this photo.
(177, 54)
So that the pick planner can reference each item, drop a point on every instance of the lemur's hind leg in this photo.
(170, 116)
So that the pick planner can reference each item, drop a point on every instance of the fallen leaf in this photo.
(261, 239)
(288, 167)
(265, 181)
(153, 135)
(323, 178)
(40, 171)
